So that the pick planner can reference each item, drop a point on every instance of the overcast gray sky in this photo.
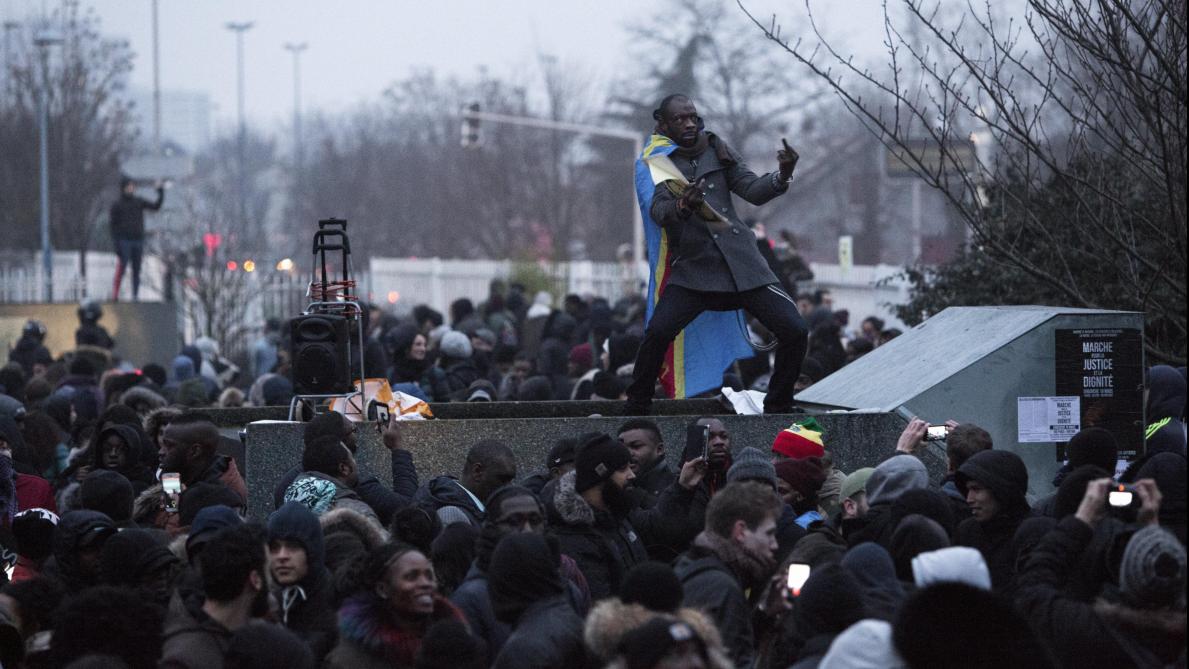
(358, 47)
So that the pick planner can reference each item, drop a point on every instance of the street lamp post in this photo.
(239, 29)
(298, 147)
(44, 39)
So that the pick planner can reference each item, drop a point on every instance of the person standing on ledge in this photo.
(714, 264)
(127, 232)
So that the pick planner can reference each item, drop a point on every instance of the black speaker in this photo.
(320, 352)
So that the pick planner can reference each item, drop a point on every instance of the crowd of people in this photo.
(127, 543)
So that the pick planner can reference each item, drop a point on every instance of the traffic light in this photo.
(470, 127)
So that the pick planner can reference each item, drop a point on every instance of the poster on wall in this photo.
(1104, 367)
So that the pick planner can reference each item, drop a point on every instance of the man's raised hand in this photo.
(787, 157)
(693, 196)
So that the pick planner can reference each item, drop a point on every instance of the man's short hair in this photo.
(201, 420)
(641, 424)
(228, 558)
(324, 455)
(964, 441)
(749, 501)
(659, 113)
(489, 451)
(329, 424)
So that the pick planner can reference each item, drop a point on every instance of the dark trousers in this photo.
(679, 306)
(128, 252)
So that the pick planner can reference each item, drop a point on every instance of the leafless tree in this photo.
(90, 131)
(1082, 104)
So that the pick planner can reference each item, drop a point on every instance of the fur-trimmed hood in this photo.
(565, 505)
(146, 505)
(353, 522)
(611, 619)
(1158, 631)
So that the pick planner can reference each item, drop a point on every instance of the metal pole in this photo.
(298, 146)
(637, 219)
(239, 29)
(916, 220)
(156, 85)
(43, 40)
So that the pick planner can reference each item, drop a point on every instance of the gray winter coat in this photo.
(714, 256)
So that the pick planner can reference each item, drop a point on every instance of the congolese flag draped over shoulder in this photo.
(695, 360)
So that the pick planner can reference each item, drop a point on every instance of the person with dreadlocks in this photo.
(715, 262)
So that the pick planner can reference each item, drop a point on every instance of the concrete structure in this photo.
(972, 364)
(440, 446)
(144, 331)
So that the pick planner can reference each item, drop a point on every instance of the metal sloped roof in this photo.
(928, 354)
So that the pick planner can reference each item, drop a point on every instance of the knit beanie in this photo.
(523, 571)
(259, 645)
(206, 523)
(597, 460)
(582, 355)
(915, 534)
(1152, 573)
(750, 464)
(829, 602)
(202, 495)
(806, 476)
(449, 645)
(455, 345)
(854, 483)
(1073, 488)
(653, 585)
(109, 492)
(646, 645)
(1093, 446)
(800, 440)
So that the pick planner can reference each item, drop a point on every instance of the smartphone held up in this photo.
(798, 574)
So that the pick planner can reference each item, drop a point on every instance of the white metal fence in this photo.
(401, 283)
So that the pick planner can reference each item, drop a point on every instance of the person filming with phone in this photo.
(188, 450)
(127, 232)
(716, 264)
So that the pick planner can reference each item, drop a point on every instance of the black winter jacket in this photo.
(1085, 634)
(547, 635)
(127, 215)
(711, 586)
(604, 548)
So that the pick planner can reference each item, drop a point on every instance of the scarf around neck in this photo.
(751, 570)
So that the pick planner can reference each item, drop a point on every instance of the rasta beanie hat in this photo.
(750, 464)
(802, 439)
(597, 459)
(1152, 573)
